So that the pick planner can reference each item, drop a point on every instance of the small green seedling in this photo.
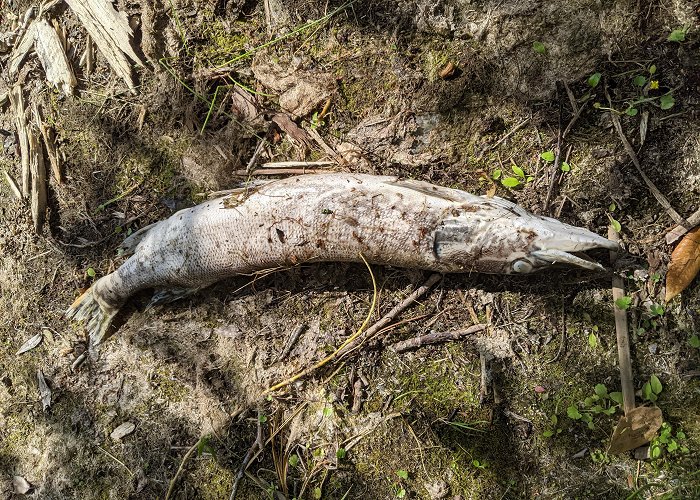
(652, 389)
(402, 474)
(547, 156)
(520, 177)
(316, 121)
(593, 80)
(479, 465)
(694, 341)
(565, 167)
(677, 35)
(667, 442)
(539, 47)
(593, 338)
(293, 459)
(340, 454)
(623, 302)
(599, 403)
(554, 429)
(91, 272)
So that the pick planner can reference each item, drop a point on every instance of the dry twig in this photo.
(254, 449)
(663, 201)
(436, 338)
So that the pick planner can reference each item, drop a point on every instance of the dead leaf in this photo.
(21, 486)
(123, 430)
(31, 343)
(636, 428)
(292, 129)
(685, 264)
(44, 390)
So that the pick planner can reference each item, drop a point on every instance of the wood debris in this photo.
(44, 390)
(38, 178)
(19, 110)
(110, 31)
(13, 185)
(23, 47)
(50, 50)
(49, 135)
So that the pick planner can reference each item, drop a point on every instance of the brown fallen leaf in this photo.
(685, 264)
(636, 428)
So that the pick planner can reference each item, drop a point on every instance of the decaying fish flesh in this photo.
(332, 217)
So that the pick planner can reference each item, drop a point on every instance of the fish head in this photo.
(506, 239)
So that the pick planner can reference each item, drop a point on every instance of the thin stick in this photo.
(289, 345)
(281, 171)
(557, 162)
(256, 447)
(436, 338)
(623, 341)
(405, 304)
(514, 130)
(254, 158)
(286, 164)
(657, 194)
(674, 234)
(171, 488)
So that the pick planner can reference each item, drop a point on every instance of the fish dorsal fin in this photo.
(454, 195)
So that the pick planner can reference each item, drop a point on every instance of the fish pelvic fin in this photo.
(97, 317)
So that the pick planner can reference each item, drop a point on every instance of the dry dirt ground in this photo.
(369, 83)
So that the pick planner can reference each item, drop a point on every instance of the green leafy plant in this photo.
(547, 156)
(91, 272)
(539, 47)
(600, 403)
(565, 167)
(677, 35)
(513, 181)
(402, 474)
(479, 464)
(623, 302)
(694, 341)
(553, 430)
(642, 84)
(667, 442)
(293, 459)
(593, 80)
(317, 121)
(652, 389)
(593, 338)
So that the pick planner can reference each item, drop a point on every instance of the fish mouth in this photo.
(578, 259)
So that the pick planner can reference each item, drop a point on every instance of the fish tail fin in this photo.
(98, 317)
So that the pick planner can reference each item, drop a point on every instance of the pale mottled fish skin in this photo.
(324, 217)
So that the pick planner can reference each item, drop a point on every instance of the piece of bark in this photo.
(110, 31)
(678, 231)
(50, 51)
(38, 178)
(123, 430)
(23, 47)
(19, 111)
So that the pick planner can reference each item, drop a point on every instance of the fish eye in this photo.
(522, 266)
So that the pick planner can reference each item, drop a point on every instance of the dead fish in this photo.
(332, 217)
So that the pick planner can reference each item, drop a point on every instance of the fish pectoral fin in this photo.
(128, 246)
(167, 295)
(97, 316)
